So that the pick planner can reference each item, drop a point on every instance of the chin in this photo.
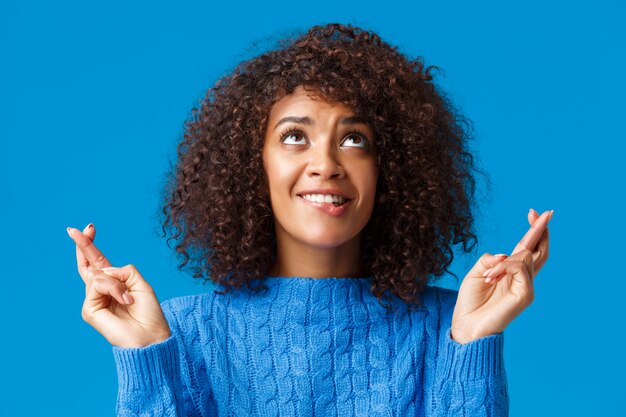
(326, 240)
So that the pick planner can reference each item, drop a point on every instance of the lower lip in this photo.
(329, 208)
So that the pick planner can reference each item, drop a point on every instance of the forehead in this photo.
(302, 101)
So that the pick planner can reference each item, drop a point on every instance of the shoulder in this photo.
(440, 299)
(180, 309)
(443, 294)
(186, 316)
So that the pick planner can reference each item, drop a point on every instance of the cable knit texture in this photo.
(312, 347)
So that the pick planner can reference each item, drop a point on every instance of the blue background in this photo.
(93, 96)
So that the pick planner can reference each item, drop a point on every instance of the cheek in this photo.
(280, 176)
(369, 181)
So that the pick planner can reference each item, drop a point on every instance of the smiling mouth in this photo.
(336, 204)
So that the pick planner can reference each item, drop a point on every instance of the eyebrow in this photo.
(351, 120)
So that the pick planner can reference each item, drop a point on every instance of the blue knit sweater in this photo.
(312, 347)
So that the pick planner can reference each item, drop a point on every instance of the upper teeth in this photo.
(324, 198)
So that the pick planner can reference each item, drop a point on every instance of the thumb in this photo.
(129, 275)
(486, 262)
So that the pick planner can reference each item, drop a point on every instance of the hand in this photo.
(119, 303)
(498, 288)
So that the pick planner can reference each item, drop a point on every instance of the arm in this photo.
(155, 365)
(470, 379)
(149, 380)
(152, 380)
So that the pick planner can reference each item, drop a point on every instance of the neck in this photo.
(294, 258)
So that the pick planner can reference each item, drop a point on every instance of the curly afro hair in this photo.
(217, 206)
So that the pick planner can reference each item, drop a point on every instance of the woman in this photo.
(321, 187)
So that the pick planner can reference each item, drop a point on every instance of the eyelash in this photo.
(360, 134)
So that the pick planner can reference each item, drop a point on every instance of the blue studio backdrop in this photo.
(93, 96)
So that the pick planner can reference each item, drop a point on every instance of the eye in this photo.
(357, 138)
(286, 136)
(293, 136)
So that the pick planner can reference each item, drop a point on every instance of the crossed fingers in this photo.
(88, 256)
(534, 234)
(531, 250)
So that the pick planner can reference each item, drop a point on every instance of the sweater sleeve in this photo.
(470, 379)
(151, 380)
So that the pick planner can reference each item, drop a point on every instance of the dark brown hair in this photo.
(217, 205)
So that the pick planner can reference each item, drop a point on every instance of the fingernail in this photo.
(502, 254)
(127, 297)
(69, 232)
(487, 280)
(88, 226)
(551, 213)
(487, 272)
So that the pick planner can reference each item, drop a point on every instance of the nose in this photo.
(324, 164)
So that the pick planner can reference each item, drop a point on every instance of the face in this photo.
(328, 151)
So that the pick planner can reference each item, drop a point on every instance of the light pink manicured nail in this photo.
(127, 297)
